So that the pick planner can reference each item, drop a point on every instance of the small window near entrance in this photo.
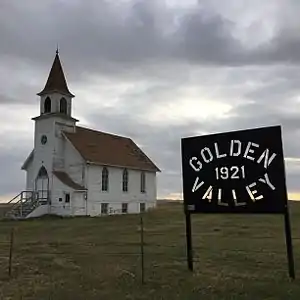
(60, 199)
(124, 208)
(142, 207)
(67, 198)
(104, 208)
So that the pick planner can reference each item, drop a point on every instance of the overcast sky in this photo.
(153, 70)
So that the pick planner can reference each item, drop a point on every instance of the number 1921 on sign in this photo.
(233, 172)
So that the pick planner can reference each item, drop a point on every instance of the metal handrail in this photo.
(23, 201)
(33, 199)
(20, 200)
(14, 198)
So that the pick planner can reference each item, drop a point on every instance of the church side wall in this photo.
(74, 163)
(115, 195)
(59, 206)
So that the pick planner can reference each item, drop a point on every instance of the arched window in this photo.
(42, 173)
(104, 179)
(125, 180)
(63, 106)
(42, 184)
(47, 105)
(143, 182)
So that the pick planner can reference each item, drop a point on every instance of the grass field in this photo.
(237, 257)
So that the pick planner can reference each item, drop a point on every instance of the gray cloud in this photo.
(103, 36)
(12, 178)
(160, 51)
(162, 144)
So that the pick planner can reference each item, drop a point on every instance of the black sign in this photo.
(235, 172)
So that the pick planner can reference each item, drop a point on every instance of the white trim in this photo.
(120, 167)
(27, 160)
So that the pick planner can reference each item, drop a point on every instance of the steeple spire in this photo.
(56, 80)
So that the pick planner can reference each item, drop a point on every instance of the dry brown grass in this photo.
(237, 257)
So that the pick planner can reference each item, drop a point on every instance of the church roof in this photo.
(56, 81)
(67, 180)
(107, 149)
(28, 160)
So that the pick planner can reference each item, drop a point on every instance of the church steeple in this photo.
(56, 81)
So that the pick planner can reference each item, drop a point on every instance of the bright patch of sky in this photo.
(187, 109)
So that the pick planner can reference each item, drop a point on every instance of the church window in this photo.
(124, 208)
(67, 198)
(42, 173)
(42, 184)
(125, 180)
(47, 105)
(143, 182)
(142, 207)
(104, 208)
(63, 106)
(104, 179)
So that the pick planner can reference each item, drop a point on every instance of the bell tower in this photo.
(56, 98)
(55, 117)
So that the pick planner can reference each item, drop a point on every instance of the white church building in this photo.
(73, 170)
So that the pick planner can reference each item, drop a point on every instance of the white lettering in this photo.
(197, 185)
(248, 150)
(208, 194)
(223, 172)
(267, 181)
(218, 153)
(267, 160)
(198, 163)
(207, 160)
(253, 192)
(235, 200)
(237, 148)
(220, 198)
(232, 147)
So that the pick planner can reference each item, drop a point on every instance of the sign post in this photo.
(189, 247)
(289, 245)
(235, 172)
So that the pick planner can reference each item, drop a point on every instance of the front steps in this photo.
(22, 205)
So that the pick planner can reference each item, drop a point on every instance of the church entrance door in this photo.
(79, 203)
(42, 186)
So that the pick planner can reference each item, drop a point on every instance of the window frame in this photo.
(144, 205)
(48, 105)
(63, 104)
(143, 182)
(124, 211)
(104, 211)
(125, 180)
(105, 180)
(67, 196)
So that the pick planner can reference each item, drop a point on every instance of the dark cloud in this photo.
(160, 52)
(103, 36)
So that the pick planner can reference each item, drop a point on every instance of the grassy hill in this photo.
(237, 257)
